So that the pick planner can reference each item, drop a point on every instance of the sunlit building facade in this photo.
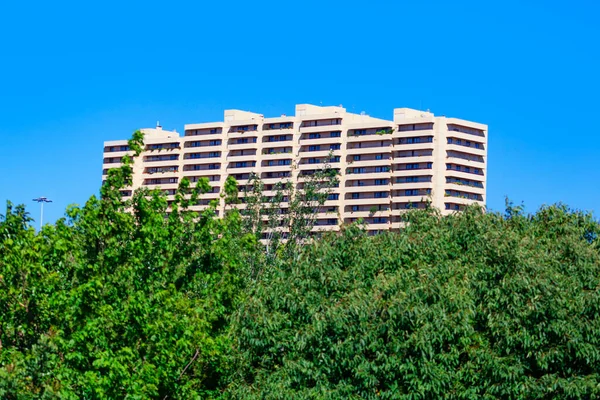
(385, 166)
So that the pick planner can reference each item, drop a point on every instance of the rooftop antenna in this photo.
(42, 200)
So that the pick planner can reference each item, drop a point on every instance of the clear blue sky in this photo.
(74, 74)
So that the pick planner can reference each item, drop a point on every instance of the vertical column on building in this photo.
(439, 162)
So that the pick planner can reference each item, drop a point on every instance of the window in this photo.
(332, 221)
(355, 195)
(336, 134)
(359, 132)
(412, 166)
(314, 148)
(214, 154)
(381, 195)
(314, 136)
(382, 169)
(381, 182)
(359, 170)
(213, 166)
(214, 130)
(334, 147)
(313, 161)
(355, 208)
(334, 159)
(379, 220)
(379, 157)
(449, 140)
(356, 158)
(333, 196)
(242, 141)
(429, 165)
(214, 143)
(411, 192)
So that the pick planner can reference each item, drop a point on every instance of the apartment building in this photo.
(385, 166)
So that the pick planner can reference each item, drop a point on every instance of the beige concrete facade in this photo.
(386, 166)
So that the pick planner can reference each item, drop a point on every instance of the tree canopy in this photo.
(146, 299)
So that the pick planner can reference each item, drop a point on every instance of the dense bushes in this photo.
(119, 300)
(469, 306)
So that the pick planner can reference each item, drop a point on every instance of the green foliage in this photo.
(148, 299)
(118, 299)
(468, 306)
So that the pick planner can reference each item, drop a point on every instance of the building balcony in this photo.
(316, 167)
(282, 179)
(462, 201)
(244, 134)
(326, 228)
(412, 159)
(201, 149)
(412, 172)
(242, 146)
(398, 133)
(162, 174)
(369, 138)
(412, 199)
(365, 214)
(111, 165)
(464, 175)
(466, 137)
(368, 201)
(367, 175)
(322, 129)
(368, 163)
(319, 153)
(276, 168)
(324, 141)
(240, 158)
(117, 154)
(370, 150)
(367, 189)
(466, 149)
(209, 196)
(202, 161)
(241, 170)
(465, 188)
(457, 159)
(163, 186)
(277, 156)
(412, 185)
(378, 225)
(414, 146)
(164, 163)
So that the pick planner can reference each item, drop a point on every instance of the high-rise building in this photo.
(386, 166)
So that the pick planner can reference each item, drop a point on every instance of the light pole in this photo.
(42, 200)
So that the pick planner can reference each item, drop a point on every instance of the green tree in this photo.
(473, 305)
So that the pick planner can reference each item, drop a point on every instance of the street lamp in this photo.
(42, 200)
